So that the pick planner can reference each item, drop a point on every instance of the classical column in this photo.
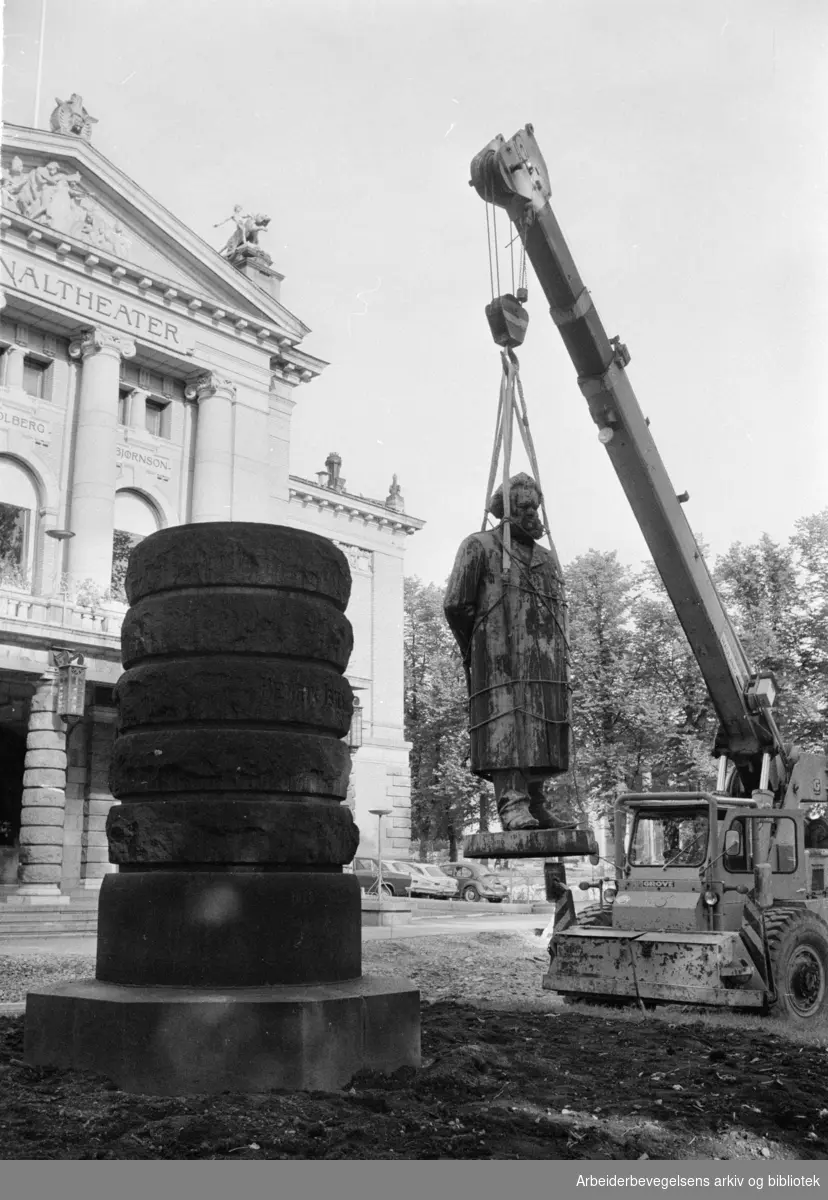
(94, 475)
(213, 473)
(44, 800)
(14, 357)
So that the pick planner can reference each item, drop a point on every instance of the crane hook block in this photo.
(508, 320)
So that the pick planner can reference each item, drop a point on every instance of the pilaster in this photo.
(282, 405)
(136, 414)
(14, 357)
(387, 632)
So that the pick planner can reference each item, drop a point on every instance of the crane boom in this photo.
(513, 175)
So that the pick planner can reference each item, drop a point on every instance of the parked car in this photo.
(394, 883)
(427, 879)
(477, 882)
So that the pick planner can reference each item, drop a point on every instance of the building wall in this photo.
(374, 540)
(221, 387)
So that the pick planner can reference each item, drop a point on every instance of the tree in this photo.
(599, 591)
(445, 797)
(810, 629)
(672, 712)
(642, 717)
(758, 584)
(12, 541)
(123, 544)
(777, 596)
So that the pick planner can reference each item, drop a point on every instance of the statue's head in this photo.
(524, 503)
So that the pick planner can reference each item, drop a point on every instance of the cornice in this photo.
(287, 360)
(354, 508)
(278, 321)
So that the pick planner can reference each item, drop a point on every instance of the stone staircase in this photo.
(78, 919)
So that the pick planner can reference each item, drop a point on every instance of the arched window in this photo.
(18, 515)
(135, 519)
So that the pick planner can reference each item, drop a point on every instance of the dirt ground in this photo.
(508, 1072)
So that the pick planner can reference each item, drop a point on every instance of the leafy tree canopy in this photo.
(642, 717)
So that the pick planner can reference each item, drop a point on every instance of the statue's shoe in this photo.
(514, 813)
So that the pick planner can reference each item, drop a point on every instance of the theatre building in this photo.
(147, 380)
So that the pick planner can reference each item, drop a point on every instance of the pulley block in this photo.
(508, 320)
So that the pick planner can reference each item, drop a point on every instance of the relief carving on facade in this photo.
(57, 199)
(359, 559)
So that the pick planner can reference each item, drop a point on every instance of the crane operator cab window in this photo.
(670, 839)
(743, 847)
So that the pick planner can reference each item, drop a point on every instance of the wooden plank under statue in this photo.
(511, 628)
(532, 843)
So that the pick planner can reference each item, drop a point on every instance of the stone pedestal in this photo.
(229, 943)
(181, 1041)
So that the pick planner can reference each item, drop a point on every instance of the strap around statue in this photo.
(512, 407)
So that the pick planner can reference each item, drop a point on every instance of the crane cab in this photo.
(688, 861)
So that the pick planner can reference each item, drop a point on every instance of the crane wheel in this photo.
(798, 945)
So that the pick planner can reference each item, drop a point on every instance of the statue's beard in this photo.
(528, 528)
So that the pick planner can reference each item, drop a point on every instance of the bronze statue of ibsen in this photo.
(507, 613)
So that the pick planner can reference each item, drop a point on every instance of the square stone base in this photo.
(385, 911)
(168, 1041)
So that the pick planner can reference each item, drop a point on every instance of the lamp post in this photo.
(379, 813)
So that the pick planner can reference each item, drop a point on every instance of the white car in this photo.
(427, 879)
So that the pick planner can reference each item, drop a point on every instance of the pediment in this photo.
(66, 185)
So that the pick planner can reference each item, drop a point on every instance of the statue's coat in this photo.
(511, 632)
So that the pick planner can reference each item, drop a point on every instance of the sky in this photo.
(687, 149)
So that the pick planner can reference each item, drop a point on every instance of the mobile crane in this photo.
(720, 897)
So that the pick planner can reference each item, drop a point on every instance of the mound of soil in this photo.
(508, 1073)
